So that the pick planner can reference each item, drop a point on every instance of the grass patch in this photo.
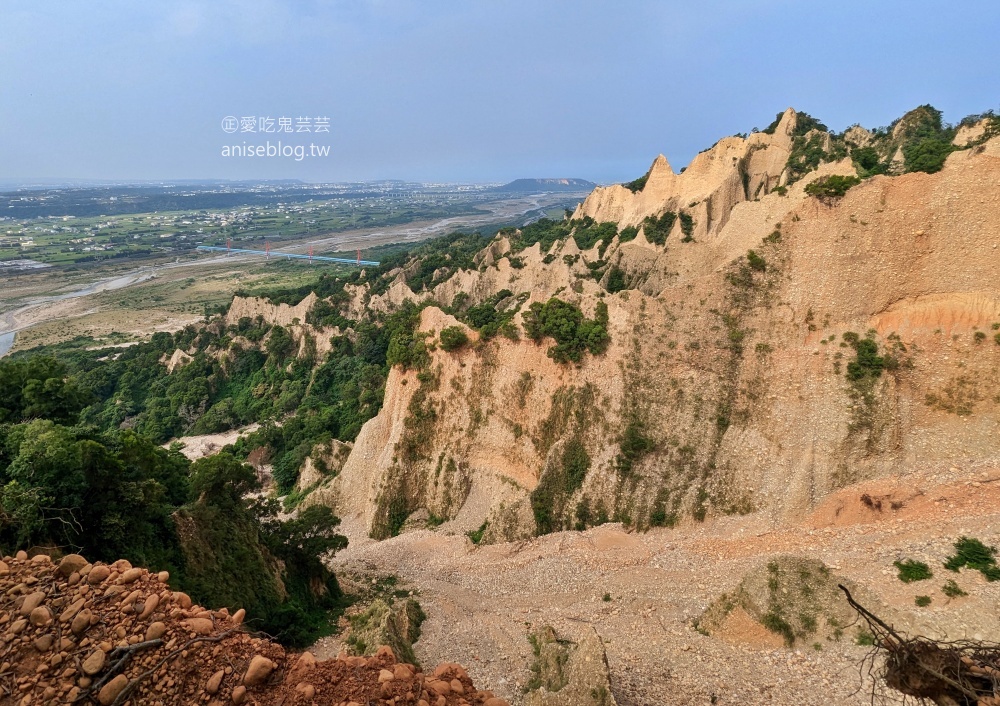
(974, 554)
(952, 589)
(773, 621)
(477, 535)
(911, 570)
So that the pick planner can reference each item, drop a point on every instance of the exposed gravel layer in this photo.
(481, 602)
(78, 632)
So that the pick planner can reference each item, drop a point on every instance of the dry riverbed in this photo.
(482, 602)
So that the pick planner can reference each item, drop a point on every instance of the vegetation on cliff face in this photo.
(573, 332)
(637, 185)
(574, 412)
(657, 228)
(920, 137)
(585, 231)
(80, 464)
(831, 187)
(67, 486)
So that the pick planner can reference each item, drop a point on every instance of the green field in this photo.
(68, 240)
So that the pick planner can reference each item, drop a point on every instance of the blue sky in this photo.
(473, 90)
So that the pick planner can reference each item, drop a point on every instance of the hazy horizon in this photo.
(470, 93)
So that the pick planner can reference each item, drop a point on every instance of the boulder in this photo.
(259, 670)
(70, 564)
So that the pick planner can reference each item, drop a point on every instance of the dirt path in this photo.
(482, 601)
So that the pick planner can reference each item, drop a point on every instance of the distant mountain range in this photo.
(544, 185)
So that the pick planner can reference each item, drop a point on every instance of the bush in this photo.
(864, 638)
(687, 227)
(634, 445)
(805, 156)
(557, 484)
(627, 234)
(911, 570)
(805, 123)
(922, 601)
(952, 590)
(572, 332)
(453, 338)
(832, 187)
(866, 159)
(927, 155)
(756, 262)
(616, 280)
(975, 555)
(773, 621)
(868, 364)
(657, 229)
(477, 535)
(637, 185)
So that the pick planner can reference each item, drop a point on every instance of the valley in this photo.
(482, 602)
(626, 453)
(39, 300)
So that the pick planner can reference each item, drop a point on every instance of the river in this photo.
(33, 311)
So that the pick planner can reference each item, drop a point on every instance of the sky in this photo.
(459, 90)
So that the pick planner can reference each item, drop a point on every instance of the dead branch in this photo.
(960, 673)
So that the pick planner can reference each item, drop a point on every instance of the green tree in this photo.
(222, 480)
(572, 332)
(453, 338)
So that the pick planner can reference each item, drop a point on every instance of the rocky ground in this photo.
(644, 592)
(76, 632)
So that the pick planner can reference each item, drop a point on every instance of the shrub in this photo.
(756, 262)
(628, 233)
(588, 232)
(557, 484)
(979, 337)
(574, 334)
(687, 227)
(769, 130)
(805, 123)
(832, 187)
(637, 185)
(868, 162)
(477, 535)
(911, 570)
(805, 156)
(634, 446)
(774, 622)
(952, 590)
(657, 229)
(868, 364)
(453, 338)
(922, 601)
(927, 155)
(927, 141)
(975, 555)
(616, 280)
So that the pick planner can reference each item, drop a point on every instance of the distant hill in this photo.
(536, 185)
